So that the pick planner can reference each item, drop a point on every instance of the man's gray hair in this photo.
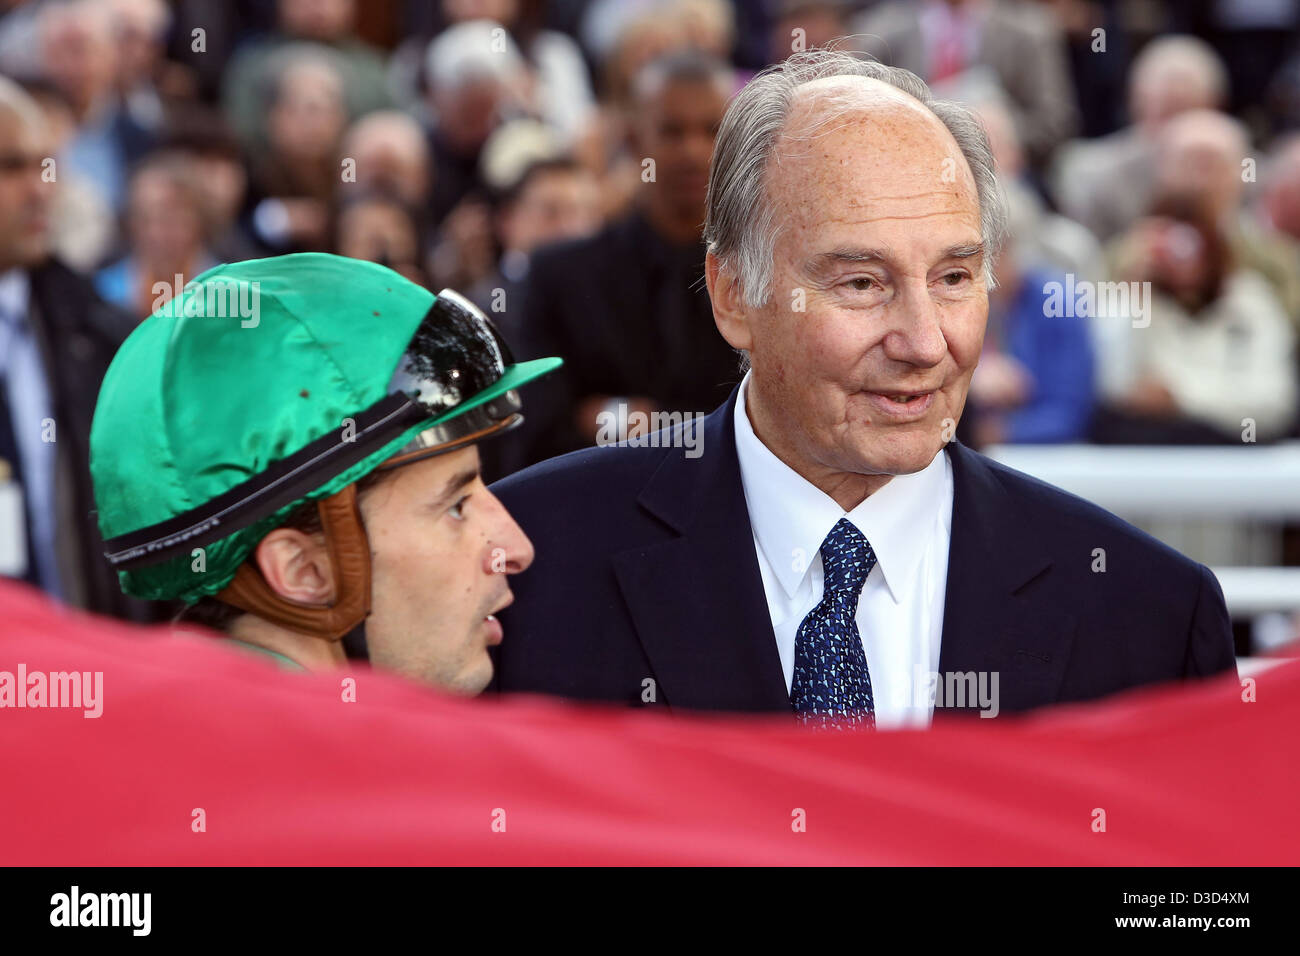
(739, 223)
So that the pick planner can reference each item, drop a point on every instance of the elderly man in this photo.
(821, 546)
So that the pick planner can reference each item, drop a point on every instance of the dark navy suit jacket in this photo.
(646, 570)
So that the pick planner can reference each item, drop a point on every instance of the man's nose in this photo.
(915, 335)
(510, 551)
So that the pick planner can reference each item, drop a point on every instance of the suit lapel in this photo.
(997, 617)
(699, 610)
(697, 599)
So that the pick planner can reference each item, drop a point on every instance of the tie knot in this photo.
(847, 559)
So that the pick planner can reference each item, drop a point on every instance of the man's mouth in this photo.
(495, 632)
(902, 405)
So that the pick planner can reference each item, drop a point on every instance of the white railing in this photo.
(1252, 484)
(1253, 481)
(1251, 591)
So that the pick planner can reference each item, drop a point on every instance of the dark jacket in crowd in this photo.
(78, 335)
(629, 313)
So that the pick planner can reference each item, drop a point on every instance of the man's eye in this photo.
(954, 278)
(457, 510)
(863, 284)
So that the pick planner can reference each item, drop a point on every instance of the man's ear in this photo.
(297, 566)
(728, 304)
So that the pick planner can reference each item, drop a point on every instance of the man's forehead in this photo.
(841, 139)
(859, 162)
(864, 96)
(428, 480)
(862, 136)
(867, 87)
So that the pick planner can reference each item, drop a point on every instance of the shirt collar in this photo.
(791, 517)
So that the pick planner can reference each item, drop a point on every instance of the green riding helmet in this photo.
(273, 382)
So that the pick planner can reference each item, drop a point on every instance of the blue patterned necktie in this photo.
(832, 686)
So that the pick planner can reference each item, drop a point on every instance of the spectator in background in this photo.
(626, 35)
(560, 87)
(84, 225)
(326, 26)
(1278, 209)
(56, 340)
(711, 27)
(605, 146)
(1282, 98)
(391, 154)
(626, 308)
(550, 201)
(392, 173)
(552, 198)
(168, 224)
(559, 81)
(379, 227)
(1217, 362)
(20, 48)
(1034, 380)
(477, 80)
(1201, 153)
(201, 136)
(1254, 38)
(139, 43)
(1099, 45)
(294, 179)
(1108, 183)
(810, 23)
(955, 44)
(1044, 239)
(79, 57)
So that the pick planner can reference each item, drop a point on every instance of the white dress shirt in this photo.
(900, 613)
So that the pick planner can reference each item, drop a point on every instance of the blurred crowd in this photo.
(550, 160)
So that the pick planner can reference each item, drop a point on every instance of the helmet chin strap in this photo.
(349, 551)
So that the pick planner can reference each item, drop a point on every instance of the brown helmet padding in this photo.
(349, 551)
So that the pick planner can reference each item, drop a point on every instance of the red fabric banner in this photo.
(280, 768)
